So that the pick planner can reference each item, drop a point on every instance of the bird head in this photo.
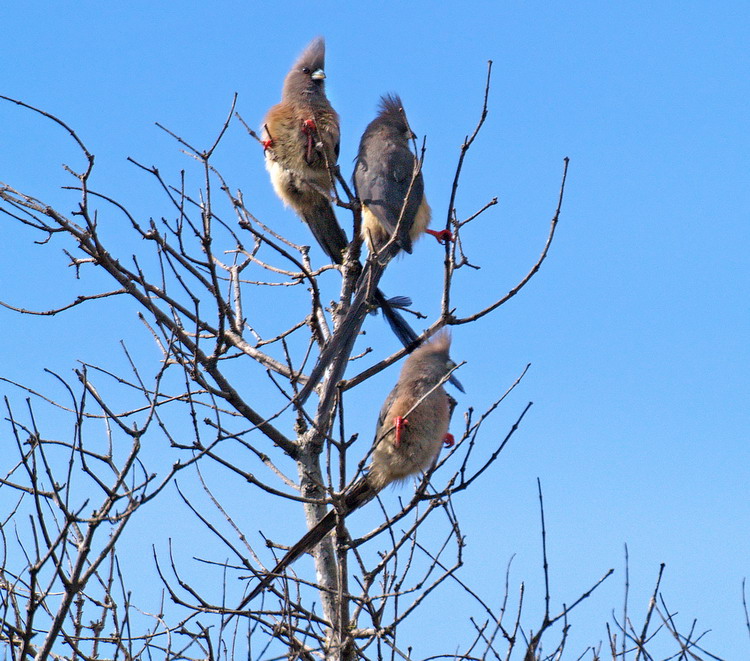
(392, 117)
(307, 74)
(431, 361)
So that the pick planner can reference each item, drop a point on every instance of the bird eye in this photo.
(305, 70)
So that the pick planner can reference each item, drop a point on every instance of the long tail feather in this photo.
(331, 238)
(322, 222)
(403, 331)
(400, 327)
(360, 493)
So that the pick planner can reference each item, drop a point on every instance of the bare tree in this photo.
(226, 408)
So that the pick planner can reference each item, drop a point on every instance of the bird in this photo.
(301, 143)
(300, 138)
(389, 182)
(411, 428)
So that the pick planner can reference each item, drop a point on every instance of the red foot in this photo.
(267, 144)
(442, 236)
(309, 129)
(400, 423)
(448, 440)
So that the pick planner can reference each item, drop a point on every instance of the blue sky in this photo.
(636, 326)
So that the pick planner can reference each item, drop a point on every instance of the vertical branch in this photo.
(451, 213)
(641, 640)
(545, 563)
(625, 601)
(744, 608)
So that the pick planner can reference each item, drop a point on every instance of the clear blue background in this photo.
(636, 326)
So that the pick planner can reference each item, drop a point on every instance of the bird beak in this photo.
(318, 74)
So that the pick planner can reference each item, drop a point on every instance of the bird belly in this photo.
(292, 186)
(372, 232)
(421, 220)
(281, 180)
(421, 440)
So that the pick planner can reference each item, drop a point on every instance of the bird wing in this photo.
(385, 417)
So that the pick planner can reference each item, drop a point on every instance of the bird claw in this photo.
(448, 440)
(267, 144)
(399, 423)
(308, 126)
(442, 235)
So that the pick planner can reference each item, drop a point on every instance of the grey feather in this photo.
(386, 176)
